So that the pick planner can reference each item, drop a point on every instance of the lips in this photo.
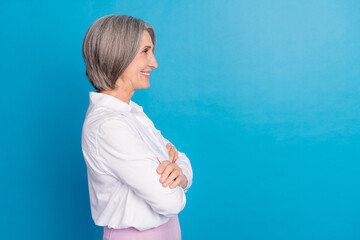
(145, 73)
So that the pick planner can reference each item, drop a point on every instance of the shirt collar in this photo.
(113, 103)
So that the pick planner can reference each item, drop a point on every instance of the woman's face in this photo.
(136, 75)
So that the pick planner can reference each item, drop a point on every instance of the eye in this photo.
(146, 50)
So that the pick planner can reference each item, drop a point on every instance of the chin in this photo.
(146, 85)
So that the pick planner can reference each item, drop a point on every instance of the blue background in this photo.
(262, 96)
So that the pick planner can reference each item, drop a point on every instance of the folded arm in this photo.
(183, 162)
(126, 157)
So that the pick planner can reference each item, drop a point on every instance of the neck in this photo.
(122, 94)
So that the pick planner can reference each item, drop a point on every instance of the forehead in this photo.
(146, 39)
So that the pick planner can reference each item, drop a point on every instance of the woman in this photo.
(137, 178)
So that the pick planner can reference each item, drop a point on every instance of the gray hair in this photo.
(109, 46)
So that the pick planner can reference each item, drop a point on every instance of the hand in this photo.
(173, 154)
(171, 172)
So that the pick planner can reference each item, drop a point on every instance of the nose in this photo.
(153, 63)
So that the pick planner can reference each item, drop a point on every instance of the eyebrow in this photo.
(147, 46)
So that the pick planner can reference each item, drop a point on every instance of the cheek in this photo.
(133, 73)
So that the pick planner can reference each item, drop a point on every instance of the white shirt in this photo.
(121, 145)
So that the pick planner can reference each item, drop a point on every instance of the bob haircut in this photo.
(109, 46)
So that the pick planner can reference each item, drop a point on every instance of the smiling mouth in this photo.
(144, 73)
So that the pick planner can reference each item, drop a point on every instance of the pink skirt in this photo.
(168, 231)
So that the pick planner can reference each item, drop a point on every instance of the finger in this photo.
(169, 168)
(168, 146)
(172, 154)
(176, 155)
(162, 166)
(174, 174)
(176, 183)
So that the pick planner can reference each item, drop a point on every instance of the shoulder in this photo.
(98, 116)
(113, 124)
(105, 122)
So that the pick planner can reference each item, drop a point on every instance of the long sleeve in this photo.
(127, 158)
(183, 162)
